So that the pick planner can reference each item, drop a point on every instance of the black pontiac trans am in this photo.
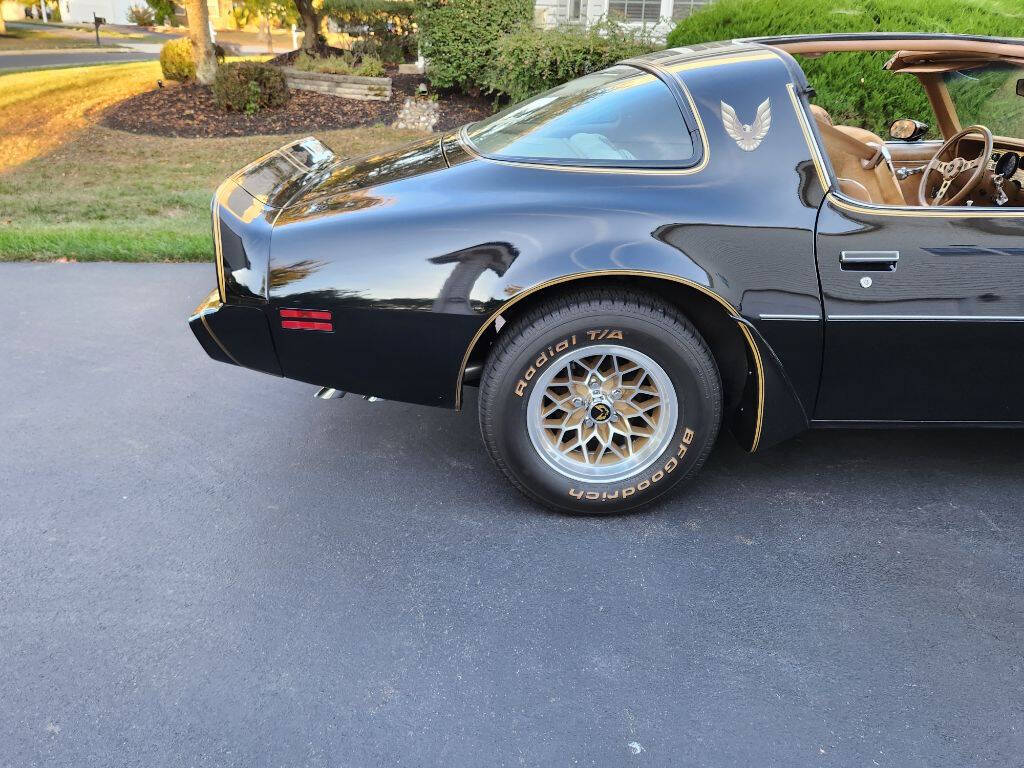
(628, 261)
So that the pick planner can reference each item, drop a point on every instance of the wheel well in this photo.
(710, 318)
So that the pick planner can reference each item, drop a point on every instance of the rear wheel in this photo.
(600, 401)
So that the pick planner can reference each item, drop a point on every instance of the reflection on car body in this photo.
(713, 254)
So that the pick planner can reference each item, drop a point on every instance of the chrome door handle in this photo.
(869, 261)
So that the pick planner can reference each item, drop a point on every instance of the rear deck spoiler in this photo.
(244, 208)
(274, 178)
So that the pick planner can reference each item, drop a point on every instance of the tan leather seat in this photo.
(872, 185)
(821, 115)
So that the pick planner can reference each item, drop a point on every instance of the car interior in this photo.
(971, 165)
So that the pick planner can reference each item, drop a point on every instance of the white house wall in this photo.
(553, 13)
(114, 11)
(549, 13)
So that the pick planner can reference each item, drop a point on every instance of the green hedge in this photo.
(853, 87)
(459, 37)
(531, 60)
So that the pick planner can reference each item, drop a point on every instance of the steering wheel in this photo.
(950, 170)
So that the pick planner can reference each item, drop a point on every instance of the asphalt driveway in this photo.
(201, 565)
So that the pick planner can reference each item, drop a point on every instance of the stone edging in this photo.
(346, 86)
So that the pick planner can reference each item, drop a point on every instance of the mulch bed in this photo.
(188, 111)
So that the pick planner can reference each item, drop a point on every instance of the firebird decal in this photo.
(748, 137)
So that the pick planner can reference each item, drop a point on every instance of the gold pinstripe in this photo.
(952, 212)
(213, 336)
(812, 145)
(218, 196)
(689, 66)
(760, 386)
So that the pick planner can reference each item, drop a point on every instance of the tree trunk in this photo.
(198, 15)
(3, 25)
(310, 24)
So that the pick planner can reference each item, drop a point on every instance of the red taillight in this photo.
(306, 325)
(306, 320)
(308, 314)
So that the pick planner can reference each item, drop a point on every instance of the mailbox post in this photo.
(97, 20)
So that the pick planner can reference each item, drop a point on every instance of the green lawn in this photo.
(70, 188)
(40, 110)
(107, 195)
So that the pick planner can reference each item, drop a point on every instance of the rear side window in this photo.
(619, 117)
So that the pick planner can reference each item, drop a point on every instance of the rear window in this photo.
(619, 117)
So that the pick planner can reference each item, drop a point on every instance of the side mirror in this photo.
(1020, 87)
(906, 129)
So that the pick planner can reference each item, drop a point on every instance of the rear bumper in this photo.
(235, 334)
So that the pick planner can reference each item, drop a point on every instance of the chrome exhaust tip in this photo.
(329, 393)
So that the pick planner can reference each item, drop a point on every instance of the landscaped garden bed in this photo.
(306, 90)
(189, 110)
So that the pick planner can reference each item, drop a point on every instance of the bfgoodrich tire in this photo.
(600, 401)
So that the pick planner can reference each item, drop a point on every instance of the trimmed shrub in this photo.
(141, 15)
(460, 37)
(369, 66)
(334, 65)
(176, 60)
(531, 60)
(249, 86)
(853, 87)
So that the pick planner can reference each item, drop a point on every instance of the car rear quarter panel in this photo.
(413, 268)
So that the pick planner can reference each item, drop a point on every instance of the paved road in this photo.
(87, 32)
(70, 57)
(204, 566)
(235, 42)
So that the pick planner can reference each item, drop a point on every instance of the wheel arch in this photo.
(738, 350)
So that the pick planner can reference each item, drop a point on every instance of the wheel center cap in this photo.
(600, 412)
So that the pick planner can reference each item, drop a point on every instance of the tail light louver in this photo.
(306, 320)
